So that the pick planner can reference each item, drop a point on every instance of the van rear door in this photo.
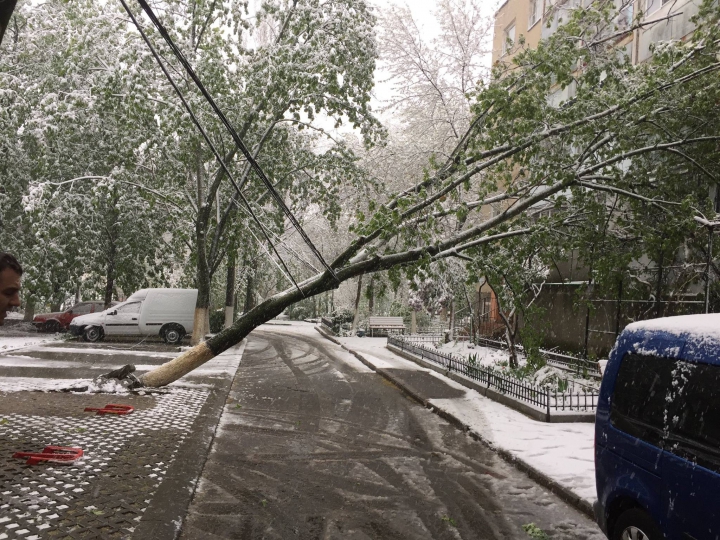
(691, 462)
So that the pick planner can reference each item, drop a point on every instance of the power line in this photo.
(207, 139)
(234, 135)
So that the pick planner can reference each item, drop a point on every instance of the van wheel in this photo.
(172, 334)
(636, 525)
(93, 334)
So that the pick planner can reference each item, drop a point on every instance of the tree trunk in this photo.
(357, 306)
(29, 310)
(371, 296)
(509, 331)
(452, 320)
(110, 277)
(413, 322)
(201, 321)
(249, 293)
(472, 315)
(230, 289)
(658, 285)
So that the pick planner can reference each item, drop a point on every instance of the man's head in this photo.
(10, 272)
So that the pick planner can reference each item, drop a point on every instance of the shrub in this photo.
(217, 320)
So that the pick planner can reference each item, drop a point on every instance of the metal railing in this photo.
(541, 397)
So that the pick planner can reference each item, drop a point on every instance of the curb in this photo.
(170, 504)
(538, 476)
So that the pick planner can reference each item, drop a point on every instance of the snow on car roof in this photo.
(693, 327)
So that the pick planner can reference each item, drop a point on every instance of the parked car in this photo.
(168, 313)
(60, 320)
(657, 432)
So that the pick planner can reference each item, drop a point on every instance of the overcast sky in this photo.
(422, 11)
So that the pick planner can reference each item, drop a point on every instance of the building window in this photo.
(653, 5)
(625, 17)
(509, 40)
(535, 12)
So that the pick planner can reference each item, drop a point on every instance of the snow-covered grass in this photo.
(556, 379)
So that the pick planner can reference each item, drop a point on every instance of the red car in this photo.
(60, 321)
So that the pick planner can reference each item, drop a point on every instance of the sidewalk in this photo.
(559, 456)
(137, 473)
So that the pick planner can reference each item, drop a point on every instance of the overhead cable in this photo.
(238, 141)
(205, 136)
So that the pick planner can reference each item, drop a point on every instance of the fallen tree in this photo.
(521, 150)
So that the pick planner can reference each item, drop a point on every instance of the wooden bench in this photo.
(386, 323)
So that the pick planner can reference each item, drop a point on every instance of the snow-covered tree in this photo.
(522, 149)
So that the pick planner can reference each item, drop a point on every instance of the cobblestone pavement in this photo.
(314, 445)
(137, 472)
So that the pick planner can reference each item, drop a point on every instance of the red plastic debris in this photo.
(111, 409)
(52, 454)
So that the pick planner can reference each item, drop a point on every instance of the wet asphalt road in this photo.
(313, 445)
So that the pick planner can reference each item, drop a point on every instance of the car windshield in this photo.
(114, 307)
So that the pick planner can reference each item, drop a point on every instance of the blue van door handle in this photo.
(134, 318)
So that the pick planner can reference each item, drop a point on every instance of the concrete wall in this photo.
(517, 12)
(676, 27)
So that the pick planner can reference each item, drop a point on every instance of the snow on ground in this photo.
(563, 452)
(13, 343)
(105, 351)
(486, 356)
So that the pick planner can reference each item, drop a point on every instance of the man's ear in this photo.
(6, 10)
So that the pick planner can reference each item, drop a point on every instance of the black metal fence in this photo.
(542, 397)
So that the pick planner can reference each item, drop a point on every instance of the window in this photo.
(639, 406)
(625, 17)
(653, 5)
(535, 12)
(81, 309)
(133, 307)
(695, 429)
(509, 40)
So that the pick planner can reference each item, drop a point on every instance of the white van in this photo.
(168, 313)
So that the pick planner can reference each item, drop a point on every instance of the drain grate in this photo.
(104, 493)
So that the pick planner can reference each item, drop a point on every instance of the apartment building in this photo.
(538, 19)
(522, 24)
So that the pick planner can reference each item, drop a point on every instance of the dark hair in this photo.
(8, 261)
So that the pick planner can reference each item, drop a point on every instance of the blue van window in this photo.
(639, 407)
(695, 431)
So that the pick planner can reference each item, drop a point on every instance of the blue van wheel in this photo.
(636, 525)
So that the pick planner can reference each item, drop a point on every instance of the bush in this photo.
(341, 318)
(217, 320)
(299, 312)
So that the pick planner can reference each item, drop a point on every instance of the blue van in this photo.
(657, 432)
